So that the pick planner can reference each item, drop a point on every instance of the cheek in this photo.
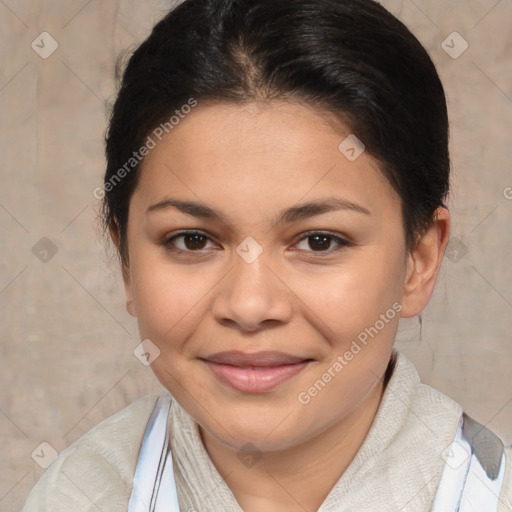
(346, 299)
(167, 299)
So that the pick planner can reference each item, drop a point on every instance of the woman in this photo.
(275, 186)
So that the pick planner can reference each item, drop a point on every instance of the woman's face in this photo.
(297, 267)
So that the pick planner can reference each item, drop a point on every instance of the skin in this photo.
(251, 162)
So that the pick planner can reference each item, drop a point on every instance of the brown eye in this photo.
(322, 242)
(187, 241)
(194, 241)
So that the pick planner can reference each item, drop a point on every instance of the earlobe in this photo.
(423, 264)
(130, 305)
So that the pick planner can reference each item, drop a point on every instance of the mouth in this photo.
(254, 373)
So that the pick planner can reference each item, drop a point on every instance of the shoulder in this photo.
(96, 471)
(434, 423)
(460, 444)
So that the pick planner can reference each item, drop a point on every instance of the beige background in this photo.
(66, 340)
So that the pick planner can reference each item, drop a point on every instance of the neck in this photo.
(301, 477)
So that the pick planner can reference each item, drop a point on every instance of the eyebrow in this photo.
(287, 216)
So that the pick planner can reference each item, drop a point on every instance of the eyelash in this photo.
(342, 242)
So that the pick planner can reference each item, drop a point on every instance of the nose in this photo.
(252, 297)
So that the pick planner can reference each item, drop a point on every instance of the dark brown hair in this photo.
(349, 57)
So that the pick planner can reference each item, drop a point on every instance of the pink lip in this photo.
(254, 373)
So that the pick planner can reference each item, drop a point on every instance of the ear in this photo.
(125, 268)
(423, 263)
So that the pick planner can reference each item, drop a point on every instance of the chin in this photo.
(256, 439)
(267, 432)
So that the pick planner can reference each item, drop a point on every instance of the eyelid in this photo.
(312, 232)
(169, 238)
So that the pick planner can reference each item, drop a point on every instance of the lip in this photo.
(256, 372)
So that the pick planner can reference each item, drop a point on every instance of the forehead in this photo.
(258, 155)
